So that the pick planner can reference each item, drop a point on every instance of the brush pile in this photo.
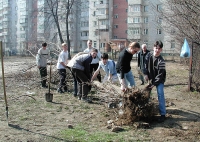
(135, 106)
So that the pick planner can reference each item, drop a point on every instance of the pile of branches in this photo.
(136, 106)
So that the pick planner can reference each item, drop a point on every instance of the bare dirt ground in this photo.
(32, 119)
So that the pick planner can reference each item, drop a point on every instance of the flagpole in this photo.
(4, 86)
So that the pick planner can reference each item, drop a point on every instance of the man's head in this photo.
(157, 48)
(89, 43)
(94, 52)
(44, 45)
(64, 46)
(144, 47)
(104, 58)
(134, 47)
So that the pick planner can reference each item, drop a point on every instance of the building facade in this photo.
(102, 21)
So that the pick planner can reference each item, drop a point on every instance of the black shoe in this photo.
(85, 99)
(161, 119)
(75, 95)
(44, 86)
(65, 90)
(60, 90)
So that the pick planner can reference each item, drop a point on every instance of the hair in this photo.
(134, 45)
(158, 43)
(64, 44)
(144, 45)
(89, 41)
(94, 50)
(104, 56)
(44, 44)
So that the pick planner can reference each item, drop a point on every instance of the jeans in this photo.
(129, 79)
(161, 99)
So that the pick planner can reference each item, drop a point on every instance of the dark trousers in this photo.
(43, 74)
(75, 82)
(83, 88)
(62, 84)
(93, 68)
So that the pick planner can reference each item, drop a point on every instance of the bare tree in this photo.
(182, 17)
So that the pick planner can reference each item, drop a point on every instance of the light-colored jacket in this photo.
(42, 56)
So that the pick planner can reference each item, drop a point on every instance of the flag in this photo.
(185, 50)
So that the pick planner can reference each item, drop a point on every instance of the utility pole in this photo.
(98, 32)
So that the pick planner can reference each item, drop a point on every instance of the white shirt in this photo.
(94, 60)
(63, 57)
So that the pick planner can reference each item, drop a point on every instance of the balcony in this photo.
(101, 17)
(135, 2)
(134, 36)
(1, 34)
(84, 37)
(6, 5)
(1, 27)
(103, 27)
(102, 6)
(5, 19)
(4, 33)
(84, 29)
(5, 11)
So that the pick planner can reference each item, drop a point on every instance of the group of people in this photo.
(85, 67)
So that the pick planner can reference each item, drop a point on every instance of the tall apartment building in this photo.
(8, 25)
(26, 33)
(125, 21)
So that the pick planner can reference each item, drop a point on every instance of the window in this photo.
(159, 7)
(115, 37)
(94, 13)
(136, 20)
(134, 8)
(173, 31)
(126, 10)
(116, 16)
(146, 19)
(158, 31)
(95, 44)
(95, 23)
(101, 2)
(94, 4)
(172, 43)
(159, 20)
(115, 6)
(146, 8)
(145, 31)
(134, 31)
(115, 26)
(102, 45)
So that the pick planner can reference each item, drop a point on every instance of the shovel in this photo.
(4, 85)
(49, 96)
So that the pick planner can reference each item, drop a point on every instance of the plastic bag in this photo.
(185, 51)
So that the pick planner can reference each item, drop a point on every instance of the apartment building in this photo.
(8, 25)
(124, 21)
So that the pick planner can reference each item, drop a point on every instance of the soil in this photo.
(32, 119)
